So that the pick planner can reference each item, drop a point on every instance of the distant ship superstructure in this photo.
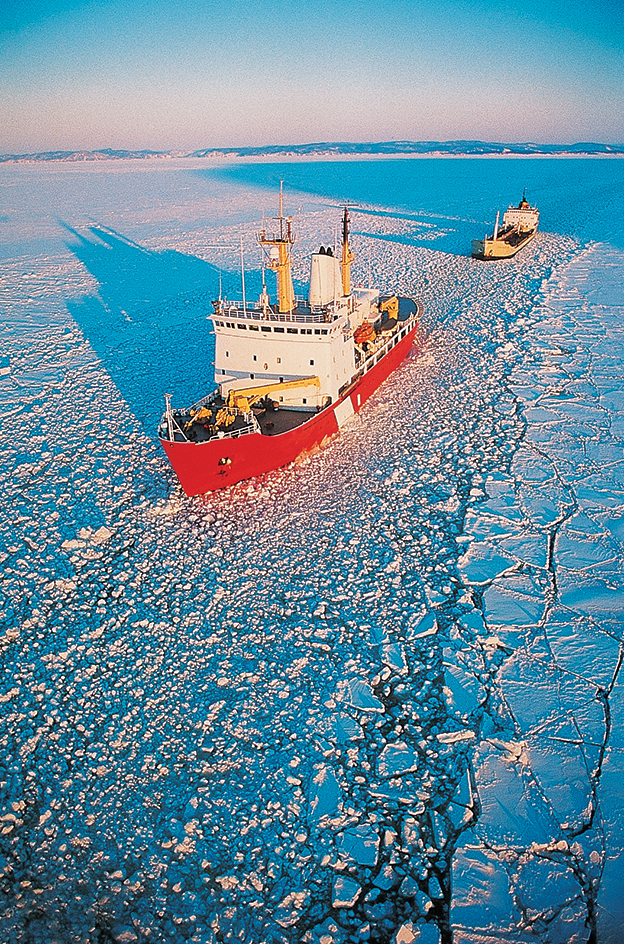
(519, 227)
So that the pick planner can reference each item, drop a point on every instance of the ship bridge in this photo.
(263, 345)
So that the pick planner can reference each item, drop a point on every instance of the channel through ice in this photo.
(374, 696)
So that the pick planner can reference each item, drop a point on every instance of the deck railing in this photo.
(252, 426)
(316, 315)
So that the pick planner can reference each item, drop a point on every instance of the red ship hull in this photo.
(207, 466)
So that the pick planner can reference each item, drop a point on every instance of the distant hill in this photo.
(329, 149)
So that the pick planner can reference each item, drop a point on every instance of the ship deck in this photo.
(274, 422)
(270, 422)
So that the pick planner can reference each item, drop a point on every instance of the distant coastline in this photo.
(323, 151)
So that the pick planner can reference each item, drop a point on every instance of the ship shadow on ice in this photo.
(147, 323)
(450, 235)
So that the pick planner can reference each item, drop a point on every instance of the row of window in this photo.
(277, 329)
(381, 353)
(278, 360)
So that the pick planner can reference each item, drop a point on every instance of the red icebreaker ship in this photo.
(290, 374)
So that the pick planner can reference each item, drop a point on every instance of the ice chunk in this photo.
(515, 601)
(325, 794)
(531, 466)
(482, 563)
(101, 536)
(540, 505)
(394, 657)
(407, 934)
(482, 897)
(385, 878)
(359, 845)
(453, 737)
(396, 759)
(227, 882)
(561, 770)
(123, 934)
(593, 596)
(463, 692)
(289, 909)
(528, 548)
(360, 695)
(510, 814)
(428, 626)
(577, 554)
(346, 892)
(347, 729)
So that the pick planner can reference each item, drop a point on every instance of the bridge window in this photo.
(311, 363)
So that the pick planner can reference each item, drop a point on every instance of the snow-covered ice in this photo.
(374, 696)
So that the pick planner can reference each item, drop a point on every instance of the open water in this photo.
(375, 696)
(578, 197)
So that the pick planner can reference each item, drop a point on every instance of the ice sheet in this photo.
(337, 702)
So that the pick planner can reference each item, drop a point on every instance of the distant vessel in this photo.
(519, 228)
(290, 374)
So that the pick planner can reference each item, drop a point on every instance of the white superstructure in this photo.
(296, 339)
(518, 228)
(523, 218)
(259, 346)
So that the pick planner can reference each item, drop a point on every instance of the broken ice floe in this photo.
(359, 694)
(325, 794)
(558, 608)
(396, 759)
(346, 892)
(174, 755)
(359, 845)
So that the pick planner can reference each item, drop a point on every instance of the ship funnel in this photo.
(325, 279)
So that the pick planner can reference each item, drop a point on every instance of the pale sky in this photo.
(185, 74)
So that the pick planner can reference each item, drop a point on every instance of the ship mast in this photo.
(280, 257)
(347, 255)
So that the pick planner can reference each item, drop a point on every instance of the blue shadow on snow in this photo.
(147, 324)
